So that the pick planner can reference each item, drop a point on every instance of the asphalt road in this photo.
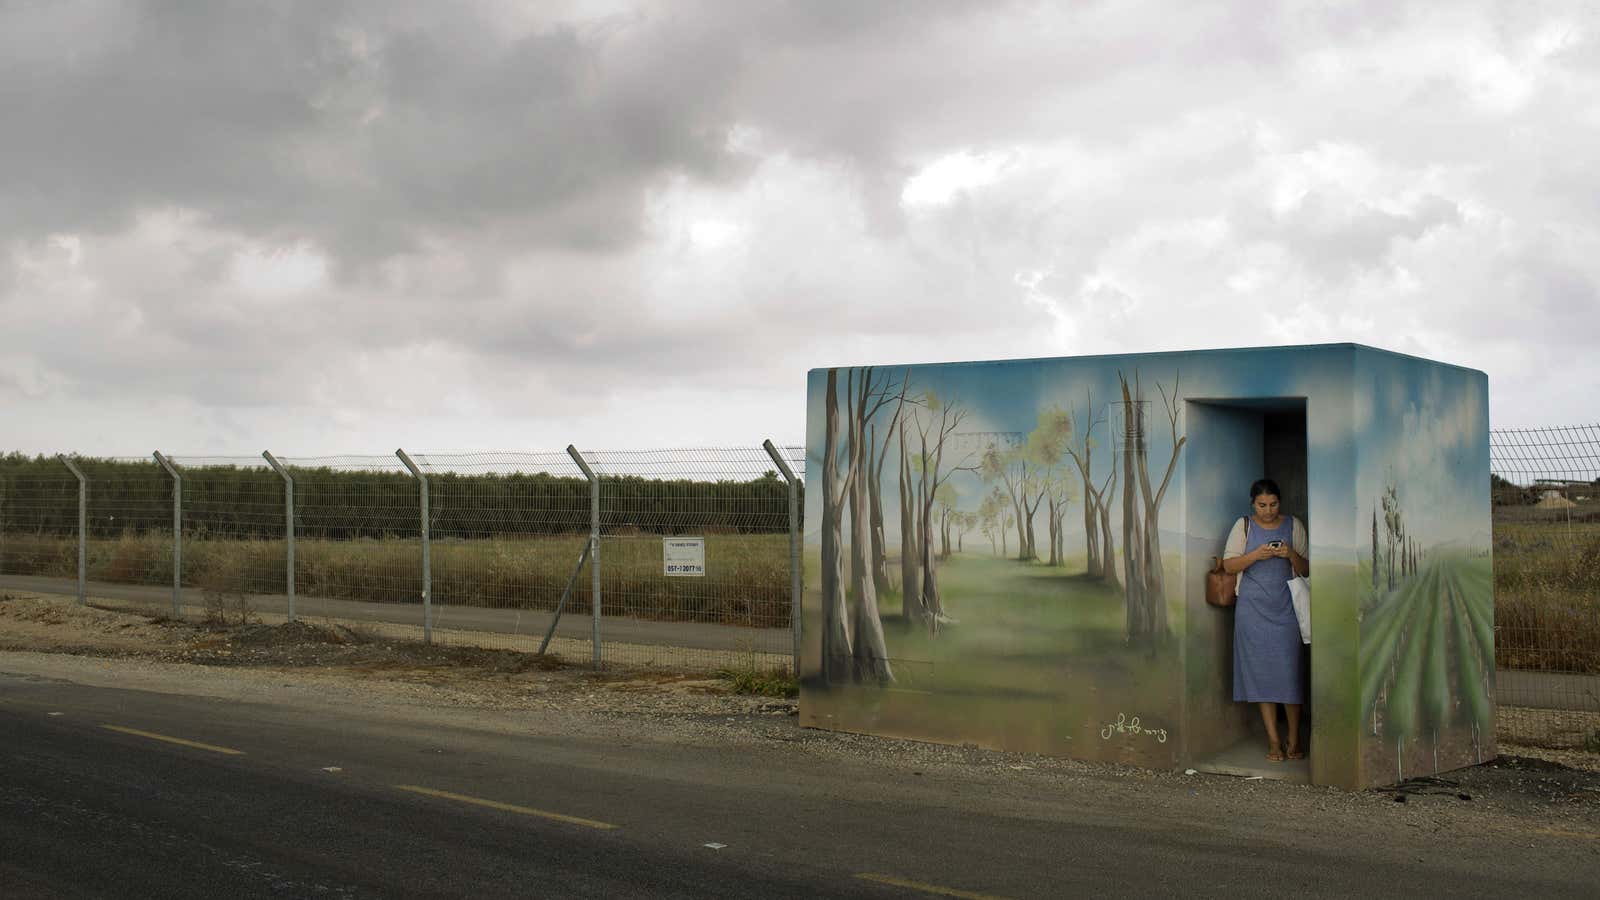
(107, 792)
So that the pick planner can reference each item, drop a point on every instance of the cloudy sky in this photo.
(348, 226)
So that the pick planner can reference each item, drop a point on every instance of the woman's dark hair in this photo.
(1265, 486)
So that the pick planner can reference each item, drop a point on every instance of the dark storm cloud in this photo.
(351, 124)
(365, 124)
(357, 205)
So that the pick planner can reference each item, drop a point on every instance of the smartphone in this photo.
(1275, 544)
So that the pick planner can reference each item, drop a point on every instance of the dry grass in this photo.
(1546, 575)
(746, 581)
(1564, 729)
(1547, 596)
(226, 611)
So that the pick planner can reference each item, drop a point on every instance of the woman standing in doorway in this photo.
(1265, 549)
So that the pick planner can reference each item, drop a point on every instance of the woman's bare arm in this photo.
(1236, 564)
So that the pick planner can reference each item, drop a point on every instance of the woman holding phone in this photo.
(1265, 549)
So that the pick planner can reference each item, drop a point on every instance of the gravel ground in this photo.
(1521, 795)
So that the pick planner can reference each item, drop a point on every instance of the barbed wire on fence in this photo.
(1533, 464)
(1564, 453)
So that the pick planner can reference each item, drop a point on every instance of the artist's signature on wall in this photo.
(1125, 725)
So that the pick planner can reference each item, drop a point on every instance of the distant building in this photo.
(1552, 499)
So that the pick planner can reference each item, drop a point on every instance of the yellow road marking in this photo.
(1559, 832)
(173, 740)
(924, 888)
(505, 807)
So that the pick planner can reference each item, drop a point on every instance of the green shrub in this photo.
(776, 683)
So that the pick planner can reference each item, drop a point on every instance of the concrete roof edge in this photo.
(1274, 348)
(1098, 356)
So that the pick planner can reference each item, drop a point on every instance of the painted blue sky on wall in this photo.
(1426, 426)
(1426, 421)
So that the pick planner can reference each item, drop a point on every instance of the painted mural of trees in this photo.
(880, 554)
(1046, 449)
(1394, 528)
(1374, 549)
(1013, 471)
(836, 653)
(1060, 495)
(1098, 544)
(947, 500)
(934, 421)
(986, 525)
(994, 519)
(873, 419)
(853, 647)
(869, 393)
(1144, 587)
(1400, 556)
(857, 449)
(966, 523)
(910, 573)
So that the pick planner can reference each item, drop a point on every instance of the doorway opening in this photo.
(1234, 442)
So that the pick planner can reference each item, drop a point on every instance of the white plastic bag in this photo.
(1300, 596)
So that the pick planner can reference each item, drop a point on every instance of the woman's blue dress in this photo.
(1268, 664)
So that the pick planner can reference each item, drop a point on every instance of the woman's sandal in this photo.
(1296, 754)
(1275, 755)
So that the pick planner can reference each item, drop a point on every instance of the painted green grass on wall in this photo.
(1428, 644)
(1031, 658)
(1006, 615)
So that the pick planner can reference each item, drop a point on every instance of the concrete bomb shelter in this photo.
(1013, 553)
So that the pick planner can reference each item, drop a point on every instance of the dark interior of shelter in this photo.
(1270, 440)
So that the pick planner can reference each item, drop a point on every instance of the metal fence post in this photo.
(83, 527)
(177, 533)
(794, 546)
(594, 546)
(288, 524)
(427, 561)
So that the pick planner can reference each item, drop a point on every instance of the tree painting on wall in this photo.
(885, 540)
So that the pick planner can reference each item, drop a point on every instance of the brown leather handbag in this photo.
(1222, 588)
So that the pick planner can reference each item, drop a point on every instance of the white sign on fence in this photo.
(683, 556)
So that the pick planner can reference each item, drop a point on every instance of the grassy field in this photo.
(746, 580)
(1546, 578)
(1547, 595)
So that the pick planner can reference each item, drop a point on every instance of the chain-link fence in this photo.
(693, 552)
(700, 539)
(123, 507)
(1546, 501)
